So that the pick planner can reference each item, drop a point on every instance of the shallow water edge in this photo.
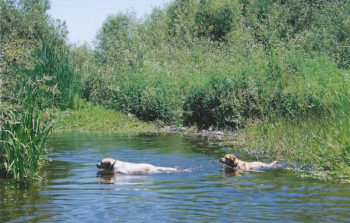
(73, 190)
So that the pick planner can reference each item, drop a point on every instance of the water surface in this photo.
(73, 190)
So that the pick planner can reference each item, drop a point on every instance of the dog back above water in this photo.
(232, 161)
(116, 166)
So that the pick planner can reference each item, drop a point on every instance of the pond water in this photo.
(73, 190)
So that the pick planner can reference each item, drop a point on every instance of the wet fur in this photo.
(232, 161)
(110, 165)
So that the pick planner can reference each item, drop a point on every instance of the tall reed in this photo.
(36, 74)
(22, 138)
(53, 64)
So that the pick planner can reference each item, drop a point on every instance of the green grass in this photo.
(312, 143)
(22, 138)
(100, 120)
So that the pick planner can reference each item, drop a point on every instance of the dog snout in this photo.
(98, 165)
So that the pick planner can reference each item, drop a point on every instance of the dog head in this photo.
(229, 160)
(106, 163)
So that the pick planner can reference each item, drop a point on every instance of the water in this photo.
(73, 190)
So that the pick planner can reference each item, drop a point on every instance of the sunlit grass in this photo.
(310, 143)
(100, 120)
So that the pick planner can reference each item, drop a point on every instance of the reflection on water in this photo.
(74, 190)
(229, 172)
(121, 179)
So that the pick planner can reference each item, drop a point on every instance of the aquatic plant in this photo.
(22, 138)
(36, 74)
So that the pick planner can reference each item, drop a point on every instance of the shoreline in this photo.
(283, 140)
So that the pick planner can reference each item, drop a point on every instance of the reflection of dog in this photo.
(229, 172)
(232, 161)
(117, 166)
(122, 179)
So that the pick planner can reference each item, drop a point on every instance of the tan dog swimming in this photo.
(117, 166)
(232, 161)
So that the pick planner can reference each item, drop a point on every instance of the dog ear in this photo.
(233, 158)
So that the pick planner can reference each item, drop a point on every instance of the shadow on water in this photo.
(74, 190)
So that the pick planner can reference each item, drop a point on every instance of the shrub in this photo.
(283, 84)
(221, 102)
(215, 19)
(149, 96)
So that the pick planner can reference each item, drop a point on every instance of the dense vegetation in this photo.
(279, 69)
(36, 74)
(217, 63)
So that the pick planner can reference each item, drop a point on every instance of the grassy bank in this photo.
(310, 143)
(314, 145)
(100, 120)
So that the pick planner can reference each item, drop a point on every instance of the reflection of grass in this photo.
(317, 143)
(98, 119)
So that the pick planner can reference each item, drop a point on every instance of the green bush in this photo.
(270, 64)
(149, 96)
(283, 84)
(221, 103)
(318, 26)
(189, 20)
(215, 19)
(180, 20)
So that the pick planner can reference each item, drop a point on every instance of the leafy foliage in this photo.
(22, 144)
(225, 64)
(36, 74)
(213, 64)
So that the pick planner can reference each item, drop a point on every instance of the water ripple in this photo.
(201, 192)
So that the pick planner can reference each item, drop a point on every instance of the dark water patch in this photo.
(74, 190)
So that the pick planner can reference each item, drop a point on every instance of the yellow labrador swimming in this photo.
(117, 166)
(232, 161)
